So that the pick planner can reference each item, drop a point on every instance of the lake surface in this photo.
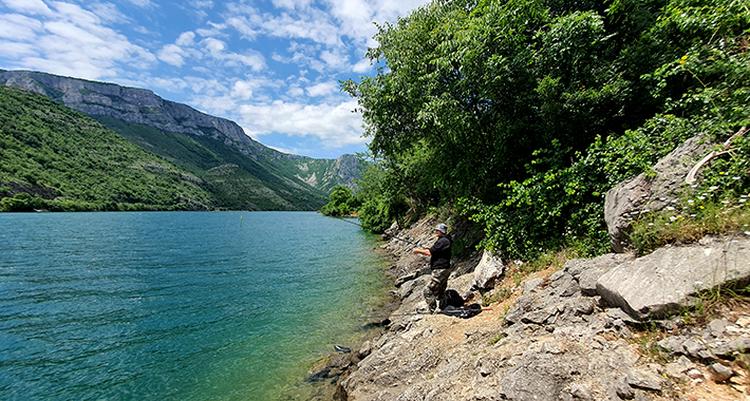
(178, 306)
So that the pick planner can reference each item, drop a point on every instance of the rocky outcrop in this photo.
(553, 344)
(664, 281)
(132, 105)
(652, 191)
(488, 272)
(588, 271)
(555, 337)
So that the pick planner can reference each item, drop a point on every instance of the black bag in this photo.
(463, 312)
(453, 298)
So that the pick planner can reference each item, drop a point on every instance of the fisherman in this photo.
(440, 264)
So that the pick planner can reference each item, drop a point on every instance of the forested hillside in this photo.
(240, 172)
(54, 158)
(519, 115)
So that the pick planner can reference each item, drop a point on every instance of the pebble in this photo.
(678, 368)
(693, 348)
(695, 374)
(644, 380)
(720, 372)
(624, 391)
(718, 326)
(580, 391)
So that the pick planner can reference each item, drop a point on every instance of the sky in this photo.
(272, 66)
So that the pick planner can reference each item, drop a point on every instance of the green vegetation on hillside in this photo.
(236, 180)
(521, 114)
(341, 202)
(54, 158)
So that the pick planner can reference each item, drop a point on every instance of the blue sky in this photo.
(272, 66)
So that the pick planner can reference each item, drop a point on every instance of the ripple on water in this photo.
(189, 306)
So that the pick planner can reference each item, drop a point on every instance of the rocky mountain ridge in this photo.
(130, 109)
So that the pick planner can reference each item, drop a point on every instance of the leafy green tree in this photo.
(341, 202)
(527, 111)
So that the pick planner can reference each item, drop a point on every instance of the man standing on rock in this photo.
(440, 263)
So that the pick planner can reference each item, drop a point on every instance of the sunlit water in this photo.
(177, 306)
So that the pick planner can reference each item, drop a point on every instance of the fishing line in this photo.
(440, 312)
(391, 236)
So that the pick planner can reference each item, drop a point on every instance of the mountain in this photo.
(240, 172)
(52, 157)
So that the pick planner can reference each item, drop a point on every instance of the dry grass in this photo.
(663, 228)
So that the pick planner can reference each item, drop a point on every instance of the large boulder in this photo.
(588, 271)
(665, 280)
(653, 191)
(489, 270)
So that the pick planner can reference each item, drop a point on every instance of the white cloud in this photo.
(323, 89)
(16, 50)
(311, 24)
(296, 91)
(357, 17)
(334, 124)
(214, 46)
(68, 40)
(141, 3)
(172, 54)
(243, 26)
(217, 105)
(28, 6)
(109, 12)
(242, 90)
(183, 48)
(362, 66)
(335, 59)
(333, 24)
(19, 27)
(292, 4)
(185, 39)
(253, 59)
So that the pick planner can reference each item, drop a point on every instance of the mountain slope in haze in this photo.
(52, 157)
(241, 172)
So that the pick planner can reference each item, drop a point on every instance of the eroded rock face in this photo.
(663, 281)
(649, 193)
(489, 270)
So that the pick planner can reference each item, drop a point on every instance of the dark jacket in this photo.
(441, 253)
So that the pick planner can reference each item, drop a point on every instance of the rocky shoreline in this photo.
(554, 338)
(668, 325)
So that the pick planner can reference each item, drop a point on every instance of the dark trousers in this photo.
(434, 293)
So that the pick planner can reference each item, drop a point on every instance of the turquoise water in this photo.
(177, 306)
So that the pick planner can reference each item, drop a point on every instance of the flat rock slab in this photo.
(662, 282)
(588, 271)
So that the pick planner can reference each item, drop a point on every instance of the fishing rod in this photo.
(441, 312)
(391, 236)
